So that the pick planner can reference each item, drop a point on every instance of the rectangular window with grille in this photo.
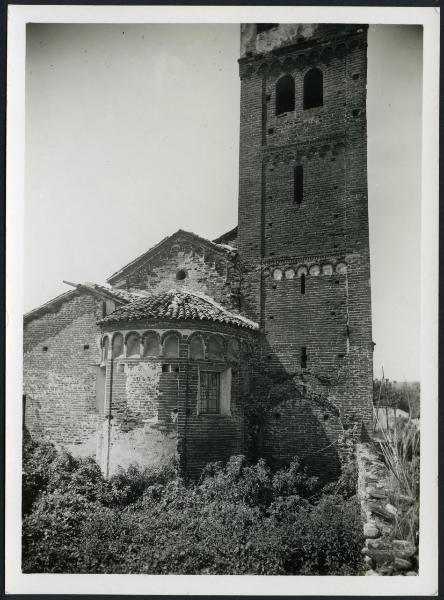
(209, 392)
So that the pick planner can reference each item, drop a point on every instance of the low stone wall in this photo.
(383, 553)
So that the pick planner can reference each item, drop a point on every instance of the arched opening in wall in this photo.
(313, 89)
(117, 349)
(233, 351)
(171, 346)
(284, 95)
(246, 351)
(133, 344)
(151, 344)
(215, 349)
(302, 283)
(197, 351)
(181, 275)
(105, 348)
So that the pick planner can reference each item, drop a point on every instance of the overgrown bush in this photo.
(239, 518)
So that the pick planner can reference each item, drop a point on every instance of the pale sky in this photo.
(132, 132)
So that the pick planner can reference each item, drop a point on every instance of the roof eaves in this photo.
(92, 288)
(49, 305)
(228, 235)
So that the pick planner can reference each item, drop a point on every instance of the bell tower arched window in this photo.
(285, 95)
(313, 89)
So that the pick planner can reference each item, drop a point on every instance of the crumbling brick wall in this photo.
(154, 402)
(186, 263)
(62, 351)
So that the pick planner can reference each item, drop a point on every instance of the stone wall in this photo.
(384, 553)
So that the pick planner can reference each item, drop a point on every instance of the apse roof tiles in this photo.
(178, 305)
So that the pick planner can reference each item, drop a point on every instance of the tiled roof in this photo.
(122, 295)
(103, 290)
(228, 236)
(178, 305)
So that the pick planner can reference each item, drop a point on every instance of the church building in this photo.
(258, 342)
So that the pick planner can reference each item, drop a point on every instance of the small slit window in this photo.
(285, 95)
(298, 176)
(303, 357)
(313, 89)
(209, 392)
(302, 283)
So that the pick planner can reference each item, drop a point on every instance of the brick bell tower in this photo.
(303, 207)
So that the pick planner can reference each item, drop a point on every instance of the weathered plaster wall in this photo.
(206, 270)
(282, 35)
(154, 401)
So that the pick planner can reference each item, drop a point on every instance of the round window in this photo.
(181, 274)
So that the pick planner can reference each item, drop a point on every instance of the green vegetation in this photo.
(237, 519)
(399, 442)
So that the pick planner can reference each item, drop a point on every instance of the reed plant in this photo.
(399, 442)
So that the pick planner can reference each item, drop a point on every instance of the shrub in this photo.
(239, 518)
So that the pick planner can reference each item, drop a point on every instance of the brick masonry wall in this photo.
(330, 227)
(60, 383)
(155, 415)
(207, 269)
(143, 428)
(134, 412)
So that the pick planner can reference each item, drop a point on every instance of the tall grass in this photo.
(400, 447)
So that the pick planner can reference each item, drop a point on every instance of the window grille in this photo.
(209, 392)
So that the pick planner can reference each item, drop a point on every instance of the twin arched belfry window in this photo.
(313, 92)
(284, 95)
(313, 89)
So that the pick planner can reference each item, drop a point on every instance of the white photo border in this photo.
(426, 583)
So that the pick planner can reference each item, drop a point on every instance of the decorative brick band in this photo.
(285, 63)
(298, 151)
(290, 271)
